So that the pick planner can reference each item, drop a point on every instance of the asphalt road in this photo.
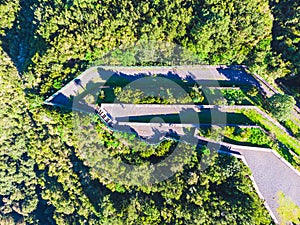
(272, 176)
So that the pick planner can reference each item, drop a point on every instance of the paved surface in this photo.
(195, 72)
(154, 133)
(125, 110)
(270, 173)
(119, 110)
(271, 176)
(204, 72)
(270, 90)
(98, 75)
(265, 86)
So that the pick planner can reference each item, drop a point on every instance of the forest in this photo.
(46, 178)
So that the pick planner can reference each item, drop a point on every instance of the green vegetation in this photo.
(161, 90)
(219, 33)
(193, 95)
(46, 179)
(49, 180)
(280, 135)
(161, 96)
(243, 136)
(285, 44)
(288, 211)
(18, 181)
(67, 185)
(235, 97)
(185, 198)
(281, 106)
(255, 136)
(293, 127)
(228, 96)
(286, 34)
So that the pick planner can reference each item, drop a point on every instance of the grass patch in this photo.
(248, 136)
(254, 137)
(293, 127)
(283, 137)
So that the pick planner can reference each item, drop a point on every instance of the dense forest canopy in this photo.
(57, 39)
(286, 39)
(286, 32)
(43, 44)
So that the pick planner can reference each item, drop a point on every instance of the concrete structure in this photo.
(271, 173)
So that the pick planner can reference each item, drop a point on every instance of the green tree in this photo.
(281, 106)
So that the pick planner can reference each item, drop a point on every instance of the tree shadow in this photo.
(229, 190)
(22, 42)
(283, 32)
(92, 188)
(238, 75)
(206, 117)
(110, 78)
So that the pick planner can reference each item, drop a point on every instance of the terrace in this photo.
(168, 112)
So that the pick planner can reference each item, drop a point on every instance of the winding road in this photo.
(271, 173)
